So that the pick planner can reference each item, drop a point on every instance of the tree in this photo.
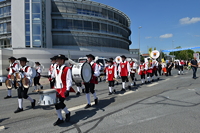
(183, 55)
(154, 48)
(150, 50)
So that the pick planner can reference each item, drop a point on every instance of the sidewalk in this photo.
(43, 81)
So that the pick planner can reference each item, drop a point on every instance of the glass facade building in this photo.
(87, 23)
(5, 24)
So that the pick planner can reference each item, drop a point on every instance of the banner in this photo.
(180, 49)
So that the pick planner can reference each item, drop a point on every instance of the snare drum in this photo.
(47, 97)
(9, 84)
(81, 72)
(18, 76)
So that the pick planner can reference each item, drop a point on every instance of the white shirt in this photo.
(15, 68)
(96, 70)
(57, 76)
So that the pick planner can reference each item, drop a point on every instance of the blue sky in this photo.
(164, 22)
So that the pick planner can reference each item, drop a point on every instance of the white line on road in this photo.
(2, 127)
(152, 84)
(176, 76)
(126, 93)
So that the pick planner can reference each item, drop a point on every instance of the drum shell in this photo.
(79, 69)
(9, 84)
(47, 97)
(26, 82)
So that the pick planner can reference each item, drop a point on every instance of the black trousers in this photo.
(89, 87)
(36, 81)
(111, 83)
(142, 76)
(149, 74)
(22, 92)
(169, 71)
(155, 73)
(61, 104)
(124, 78)
(132, 76)
(180, 68)
(78, 84)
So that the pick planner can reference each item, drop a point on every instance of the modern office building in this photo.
(39, 29)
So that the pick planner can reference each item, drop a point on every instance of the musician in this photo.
(51, 68)
(124, 71)
(111, 75)
(63, 82)
(142, 71)
(36, 79)
(159, 68)
(89, 87)
(116, 65)
(149, 70)
(155, 69)
(133, 67)
(22, 91)
(181, 64)
(14, 67)
(79, 87)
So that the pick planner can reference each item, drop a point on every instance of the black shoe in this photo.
(83, 90)
(134, 84)
(149, 82)
(78, 93)
(123, 89)
(58, 122)
(145, 82)
(114, 91)
(158, 78)
(152, 80)
(117, 83)
(67, 117)
(41, 87)
(110, 93)
(87, 106)
(7, 97)
(33, 103)
(96, 101)
(18, 110)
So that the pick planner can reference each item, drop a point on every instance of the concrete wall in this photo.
(48, 24)
(18, 23)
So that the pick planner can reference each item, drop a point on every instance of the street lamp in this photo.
(139, 40)
(173, 48)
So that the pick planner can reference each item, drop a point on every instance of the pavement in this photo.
(168, 105)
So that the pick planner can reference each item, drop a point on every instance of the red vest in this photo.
(110, 73)
(61, 92)
(94, 79)
(131, 66)
(142, 71)
(13, 71)
(124, 70)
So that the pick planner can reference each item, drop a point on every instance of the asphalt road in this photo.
(168, 105)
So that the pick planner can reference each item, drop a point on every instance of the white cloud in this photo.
(166, 36)
(188, 20)
(148, 37)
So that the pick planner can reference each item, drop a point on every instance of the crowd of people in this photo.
(60, 78)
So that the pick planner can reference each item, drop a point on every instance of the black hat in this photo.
(141, 60)
(111, 59)
(90, 55)
(61, 56)
(12, 58)
(53, 58)
(123, 56)
(23, 59)
(38, 63)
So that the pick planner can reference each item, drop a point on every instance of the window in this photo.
(87, 25)
(95, 26)
(78, 24)
(27, 8)
(36, 7)
(36, 29)
(36, 18)
(104, 27)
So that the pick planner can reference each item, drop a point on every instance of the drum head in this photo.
(8, 84)
(86, 72)
(26, 82)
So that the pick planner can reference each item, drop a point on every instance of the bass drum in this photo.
(81, 72)
(9, 84)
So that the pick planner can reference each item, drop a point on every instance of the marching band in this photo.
(61, 77)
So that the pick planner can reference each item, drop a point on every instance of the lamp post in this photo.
(173, 48)
(139, 40)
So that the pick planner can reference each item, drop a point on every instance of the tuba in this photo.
(128, 59)
(118, 59)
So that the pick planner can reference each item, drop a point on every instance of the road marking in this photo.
(152, 84)
(191, 89)
(77, 107)
(126, 93)
(176, 76)
(2, 127)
